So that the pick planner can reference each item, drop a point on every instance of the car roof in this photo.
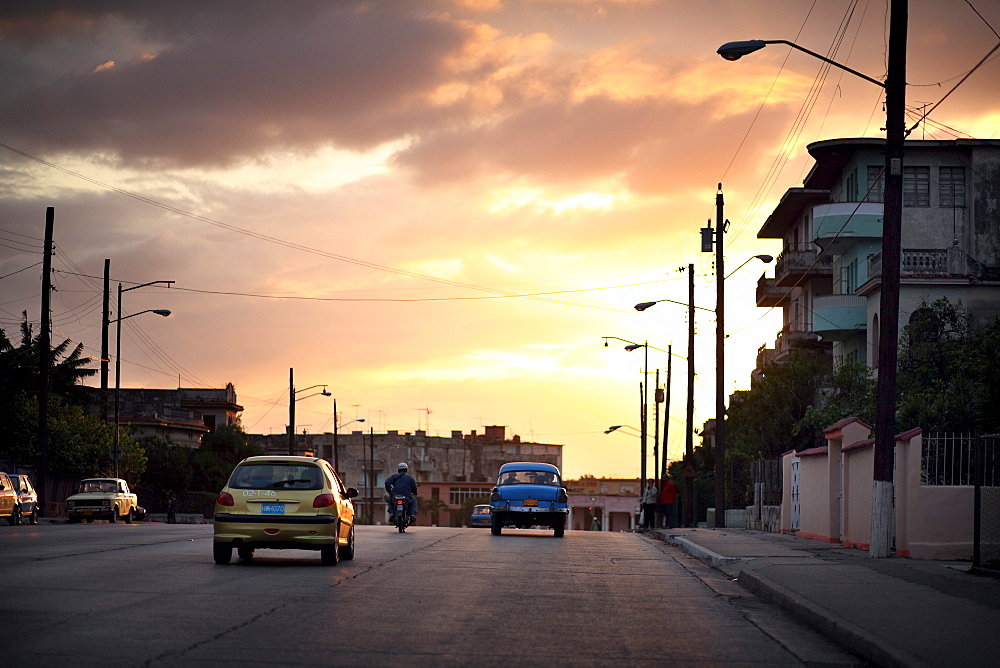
(93, 479)
(529, 466)
(282, 459)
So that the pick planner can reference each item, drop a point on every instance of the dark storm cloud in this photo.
(211, 83)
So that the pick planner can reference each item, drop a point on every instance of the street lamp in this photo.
(116, 450)
(766, 259)
(336, 429)
(291, 405)
(892, 216)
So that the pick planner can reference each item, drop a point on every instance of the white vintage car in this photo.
(103, 499)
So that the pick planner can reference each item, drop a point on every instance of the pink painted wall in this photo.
(859, 469)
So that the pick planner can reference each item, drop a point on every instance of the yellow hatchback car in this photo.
(284, 502)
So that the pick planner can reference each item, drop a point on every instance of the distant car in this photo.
(8, 500)
(284, 502)
(529, 494)
(27, 498)
(102, 499)
(480, 516)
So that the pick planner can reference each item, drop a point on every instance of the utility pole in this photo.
(666, 412)
(720, 365)
(105, 325)
(657, 398)
(371, 476)
(44, 361)
(885, 392)
(689, 473)
(336, 429)
(291, 411)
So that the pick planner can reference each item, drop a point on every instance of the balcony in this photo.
(793, 336)
(768, 293)
(839, 226)
(935, 263)
(797, 264)
(836, 317)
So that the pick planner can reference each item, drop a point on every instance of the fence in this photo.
(986, 522)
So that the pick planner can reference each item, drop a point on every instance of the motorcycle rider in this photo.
(403, 483)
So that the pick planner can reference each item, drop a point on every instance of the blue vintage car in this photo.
(480, 516)
(529, 494)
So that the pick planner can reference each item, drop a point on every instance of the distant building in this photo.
(459, 466)
(182, 416)
(612, 502)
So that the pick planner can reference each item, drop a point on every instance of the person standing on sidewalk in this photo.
(665, 505)
(649, 496)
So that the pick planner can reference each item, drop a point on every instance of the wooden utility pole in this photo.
(291, 411)
(44, 361)
(885, 392)
(689, 439)
(720, 366)
(666, 413)
(105, 325)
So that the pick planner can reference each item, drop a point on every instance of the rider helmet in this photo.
(402, 466)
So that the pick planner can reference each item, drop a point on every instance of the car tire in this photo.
(15, 516)
(130, 516)
(244, 553)
(33, 518)
(330, 554)
(347, 551)
(114, 514)
(74, 520)
(560, 530)
(222, 553)
(496, 526)
(90, 520)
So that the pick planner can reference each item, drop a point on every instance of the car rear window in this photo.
(276, 476)
(529, 478)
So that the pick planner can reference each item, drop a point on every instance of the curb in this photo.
(838, 629)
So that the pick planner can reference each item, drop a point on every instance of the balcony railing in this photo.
(935, 262)
(796, 263)
(768, 292)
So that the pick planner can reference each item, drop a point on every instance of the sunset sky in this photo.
(436, 208)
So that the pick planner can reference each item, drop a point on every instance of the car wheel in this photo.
(330, 554)
(114, 514)
(222, 553)
(131, 516)
(15, 515)
(496, 525)
(90, 520)
(74, 520)
(245, 553)
(347, 551)
(560, 529)
(33, 519)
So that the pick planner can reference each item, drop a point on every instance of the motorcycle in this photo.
(400, 507)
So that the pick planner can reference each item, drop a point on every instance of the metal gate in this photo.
(795, 494)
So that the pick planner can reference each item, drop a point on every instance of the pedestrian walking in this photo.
(172, 509)
(665, 504)
(649, 496)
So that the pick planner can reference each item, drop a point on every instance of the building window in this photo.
(851, 187)
(916, 186)
(951, 187)
(876, 184)
(459, 495)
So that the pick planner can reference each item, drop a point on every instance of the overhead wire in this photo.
(289, 244)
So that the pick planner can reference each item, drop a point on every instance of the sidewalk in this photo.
(892, 612)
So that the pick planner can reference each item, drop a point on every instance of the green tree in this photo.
(220, 452)
(948, 373)
(850, 392)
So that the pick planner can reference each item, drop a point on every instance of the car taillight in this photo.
(225, 499)
(323, 500)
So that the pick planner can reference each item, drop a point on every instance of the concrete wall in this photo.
(931, 521)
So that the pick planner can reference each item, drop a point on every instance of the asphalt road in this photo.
(149, 594)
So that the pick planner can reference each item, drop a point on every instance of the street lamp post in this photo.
(643, 397)
(291, 406)
(892, 215)
(116, 450)
(336, 430)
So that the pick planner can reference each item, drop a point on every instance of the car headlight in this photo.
(70, 504)
(105, 502)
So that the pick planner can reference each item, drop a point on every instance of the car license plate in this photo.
(530, 502)
(272, 508)
(88, 512)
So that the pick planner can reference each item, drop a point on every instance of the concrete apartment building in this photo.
(183, 415)
(454, 469)
(827, 278)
